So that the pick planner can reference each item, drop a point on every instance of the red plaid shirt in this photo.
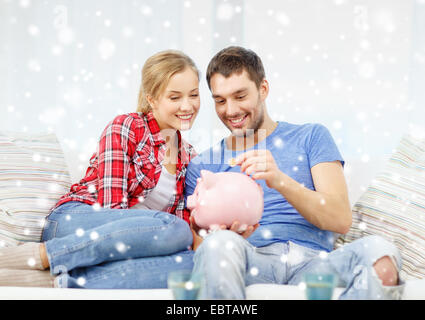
(127, 165)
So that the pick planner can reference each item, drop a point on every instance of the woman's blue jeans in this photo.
(115, 248)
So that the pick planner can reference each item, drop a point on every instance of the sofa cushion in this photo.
(33, 176)
(393, 206)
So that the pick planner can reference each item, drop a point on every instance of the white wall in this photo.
(357, 66)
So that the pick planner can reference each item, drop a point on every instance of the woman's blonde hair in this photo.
(157, 72)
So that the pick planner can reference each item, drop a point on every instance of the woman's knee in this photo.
(175, 231)
(185, 234)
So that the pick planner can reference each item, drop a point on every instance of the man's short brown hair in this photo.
(235, 59)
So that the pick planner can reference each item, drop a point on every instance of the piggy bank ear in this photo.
(261, 188)
(208, 178)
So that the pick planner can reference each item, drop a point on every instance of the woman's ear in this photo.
(151, 101)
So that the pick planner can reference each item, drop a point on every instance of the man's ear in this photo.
(264, 89)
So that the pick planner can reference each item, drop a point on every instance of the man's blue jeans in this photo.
(229, 263)
(115, 248)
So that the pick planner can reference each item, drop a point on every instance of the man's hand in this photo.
(197, 239)
(236, 226)
(261, 165)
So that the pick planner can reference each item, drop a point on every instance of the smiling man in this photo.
(306, 202)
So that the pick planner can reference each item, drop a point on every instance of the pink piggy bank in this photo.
(221, 198)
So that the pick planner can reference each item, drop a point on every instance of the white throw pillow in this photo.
(393, 206)
(33, 176)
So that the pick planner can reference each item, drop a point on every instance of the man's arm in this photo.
(327, 208)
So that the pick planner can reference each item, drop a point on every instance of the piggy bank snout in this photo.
(191, 202)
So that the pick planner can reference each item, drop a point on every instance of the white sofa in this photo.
(414, 290)
(358, 174)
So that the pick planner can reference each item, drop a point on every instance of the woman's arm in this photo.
(116, 145)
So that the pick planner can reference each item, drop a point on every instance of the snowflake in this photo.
(33, 30)
(146, 10)
(254, 271)
(81, 281)
(266, 233)
(34, 65)
(225, 12)
(94, 235)
(36, 157)
(203, 233)
(106, 48)
(229, 245)
(385, 21)
(337, 124)
(42, 202)
(284, 258)
(365, 158)
(121, 247)
(212, 244)
(323, 254)
(278, 143)
(66, 35)
(127, 32)
(31, 262)
(79, 232)
(24, 3)
(367, 70)
(189, 285)
(283, 18)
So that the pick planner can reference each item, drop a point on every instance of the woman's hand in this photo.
(197, 239)
(261, 165)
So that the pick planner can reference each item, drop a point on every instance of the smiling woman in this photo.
(179, 104)
(128, 211)
(170, 79)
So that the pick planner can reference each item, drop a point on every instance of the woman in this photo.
(124, 222)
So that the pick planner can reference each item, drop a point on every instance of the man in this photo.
(300, 170)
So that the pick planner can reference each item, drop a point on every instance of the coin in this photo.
(232, 162)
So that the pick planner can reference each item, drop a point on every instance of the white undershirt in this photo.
(160, 197)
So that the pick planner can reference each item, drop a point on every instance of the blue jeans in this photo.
(229, 263)
(115, 248)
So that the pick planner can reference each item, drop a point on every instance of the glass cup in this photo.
(319, 286)
(184, 284)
